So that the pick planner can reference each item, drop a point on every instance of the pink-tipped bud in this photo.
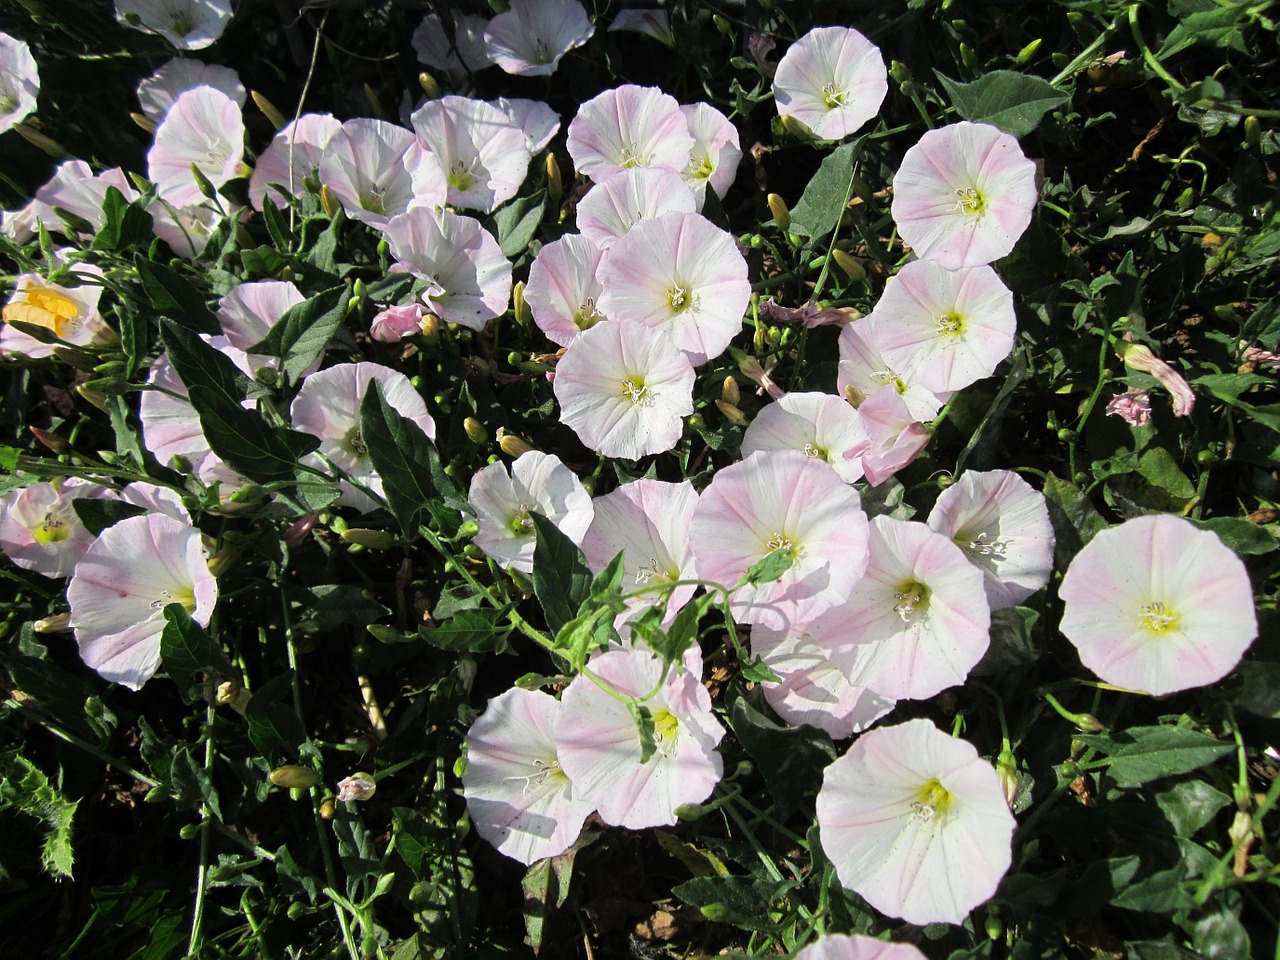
(1139, 357)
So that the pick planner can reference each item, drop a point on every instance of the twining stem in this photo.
(202, 871)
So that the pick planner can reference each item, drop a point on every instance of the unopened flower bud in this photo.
(512, 445)
(85, 362)
(968, 56)
(849, 264)
(329, 202)
(269, 110)
(147, 125)
(57, 623)
(521, 306)
(796, 127)
(900, 72)
(430, 327)
(375, 105)
(781, 215)
(327, 810)
(475, 430)
(1252, 131)
(1007, 771)
(1242, 838)
(395, 323)
(50, 440)
(855, 396)
(109, 386)
(373, 539)
(555, 186)
(232, 694)
(41, 142)
(294, 777)
(358, 786)
(430, 86)
(93, 397)
(1027, 52)
(732, 413)
(729, 391)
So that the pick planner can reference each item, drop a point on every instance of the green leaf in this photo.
(683, 632)
(24, 787)
(1259, 691)
(561, 576)
(584, 634)
(172, 295)
(517, 222)
(645, 728)
(470, 631)
(1245, 538)
(187, 651)
(1013, 102)
(274, 727)
(302, 334)
(1074, 519)
(1190, 805)
(242, 438)
(771, 567)
(1159, 469)
(124, 224)
(1222, 27)
(791, 759)
(1142, 754)
(97, 515)
(743, 902)
(823, 201)
(328, 606)
(607, 585)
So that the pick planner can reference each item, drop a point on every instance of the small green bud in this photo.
(849, 264)
(189, 831)
(112, 368)
(1252, 131)
(475, 430)
(373, 539)
(968, 56)
(294, 777)
(268, 110)
(555, 186)
(430, 86)
(1027, 52)
(900, 72)
(781, 215)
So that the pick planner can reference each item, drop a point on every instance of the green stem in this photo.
(202, 871)
(1086, 55)
(1151, 60)
(75, 741)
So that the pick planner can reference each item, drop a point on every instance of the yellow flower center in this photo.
(520, 524)
(635, 390)
(665, 725)
(679, 297)
(950, 324)
(587, 316)
(815, 452)
(45, 307)
(632, 157)
(833, 96)
(932, 800)
(1158, 618)
(54, 528)
(971, 201)
(460, 178)
(911, 601)
(183, 595)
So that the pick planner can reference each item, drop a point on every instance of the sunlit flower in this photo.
(532, 35)
(157, 93)
(40, 529)
(863, 371)
(1002, 524)
(502, 501)
(188, 230)
(915, 823)
(305, 141)
(896, 438)
(964, 195)
(328, 407)
(832, 80)
(945, 329)
(120, 588)
(187, 24)
(1139, 357)
(629, 126)
(482, 152)
(393, 324)
(156, 499)
(838, 946)
(518, 797)
(1133, 406)
(202, 129)
(19, 81)
(250, 310)
(598, 740)
(716, 151)
(682, 274)
(432, 45)
(917, 622)
(1159, 605)
(652, 23)
(77, 190)
(819, 425)
(621, 200)
(69, 313)
(536, 119)
(781, 500)
(563, 290)
(379, 170)
(469, 279)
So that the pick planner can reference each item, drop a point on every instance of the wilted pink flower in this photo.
(1159, 605)
(563, 289)
(863, 371)
(1263, 358)
(482, 152)
(469, 279)
(502, 501)
(203, 128)
(629, 126)
(305, 140)
(624, 389)
(621, 200)
(652, 23)
(378, 171)
(915, 823)
(945, 329)
(393, 324)
(682, 274)
(518, 797)
(40, 529)
(964, 195)
(120, 589)
(598, 741)
(187, 24)
(838, 946)
(1002, 525)
(716, 151)
(819, 425)
(69, 313)
(1133, 406)
(435, 50)
(758, 373)
(19, 81)
(532, 35)
(832, 80)
(760, 45)
(357, 787)
(896, 438)
(250, 310)
(157, 93)
(809, 314)
(781, 500)
(1139, 357)
(78, 191)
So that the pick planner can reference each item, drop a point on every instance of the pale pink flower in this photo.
(156, 499)
(819, 425)
(915, 823)
(40, 529)
(629, 126)
(832, 80)
(536, 120)
(187, 24)
(432, 45)
(518, 797)
(19, 81)
(250, 310)
(716, 151)
(917, 622)
(532, 35)
(393, 324)
(157, 93)
(598, 741)
(621, 200)
(838, 946)
(1133, 406)
(20, 225)
(896, 438)
(204, 129)
(357, 788)
(863, 371)
(328, 407)
(1136, 356)
(624, 389)
(760, 45)
(77, 190)
(469, 279)
(379, 170)
(482, 152)
(1002, 524)
(964, 195)
(683, 275)
(1159, 605)
(1259, 356)
(120, 589)
(69, 313)
(305, 140)
(652, 23)
(781, 500)
(945, 329)
(187, 230)
(502, 501)
(563, 289)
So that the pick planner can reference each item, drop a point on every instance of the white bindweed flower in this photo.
(532, 35)
(19, 81)
(832, 80)
(716, 151)
(69, 313)
(629, 126)
(621, 200)
(819, 425)
(40, 529)
(378, 170)
(303, 144)
(563, 289)
(187, 24)
(482, 152)
(157, 93)
(202, 129)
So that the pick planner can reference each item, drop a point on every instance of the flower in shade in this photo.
(379, 170)
(517, 795)
(563, 289)
(915, 822)
(781, 500)
(819, 425)
(863, 371)
(624, 389)
(652, 23)
(1133, 406)
(917, 622)
(328, 407)
(40, 529)
(303, 143)
(629, 126)
(157, 93)
(1139, 357)
(458, 57)
(19, 81)
(839, 946)
(482, 152)
(250, 310)
(469, 279)
(1002, 525)
(621, 200)
(716, 151)
(598, 739)
(203, 129)
(532, 35)
(964, 195)
(120, 588)
(896, 438)
(502, 501)
(1159, 605)
(75, 189)
(393, 324)
(187, 24)
(945, 329)
(682, 274)
(69, 313)
(832, 80)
